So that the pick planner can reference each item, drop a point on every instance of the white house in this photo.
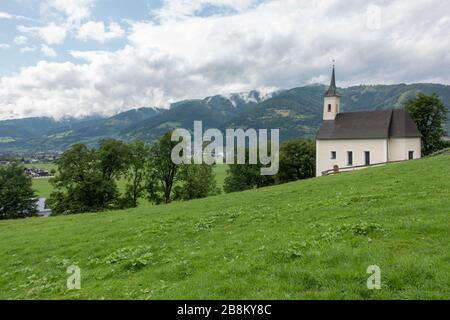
(353, 139)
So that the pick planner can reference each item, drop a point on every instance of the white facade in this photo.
(326, 150)
(331, 153)
(400, 149)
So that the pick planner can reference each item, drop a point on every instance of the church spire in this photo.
(332, 90)
(332, 100)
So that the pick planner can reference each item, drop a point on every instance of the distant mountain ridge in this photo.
(296, 112)
(214, 111)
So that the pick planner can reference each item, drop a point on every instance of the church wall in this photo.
(399, 148)
(378, 152)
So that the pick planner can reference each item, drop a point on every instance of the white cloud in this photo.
(4, 46)
(20, 40)
(97, 31)
(48, 52)
(28, 49)
(8, 16)
(5, 15)
(51, 33)
(73, 9)
(277, 44)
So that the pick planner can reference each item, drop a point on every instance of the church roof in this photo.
(332, 90)
(403, 126)
(382, 124)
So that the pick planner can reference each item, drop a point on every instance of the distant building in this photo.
(357, 139)
(37, 173)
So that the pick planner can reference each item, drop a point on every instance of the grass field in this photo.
(221, 174)
(310, 239)
(46, 166)
(42, 187)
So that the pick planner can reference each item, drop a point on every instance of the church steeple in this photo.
(332, 90)
(332, 100)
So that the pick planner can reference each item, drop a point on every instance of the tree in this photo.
(81, 185)
(112, 155)
(162, 172)
(246, 176)
(196, 181)
(74, 166)
(17, 198)
(297, 160)
(430, 114)
(135, 174)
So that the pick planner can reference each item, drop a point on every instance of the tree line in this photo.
(87, 179)
(117, 175)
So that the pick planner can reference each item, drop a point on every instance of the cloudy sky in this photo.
(80, 57)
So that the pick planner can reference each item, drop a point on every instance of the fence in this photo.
(347, 169)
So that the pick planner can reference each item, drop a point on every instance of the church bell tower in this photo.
(332, 100)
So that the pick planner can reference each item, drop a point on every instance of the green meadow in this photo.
(46, 166)
(42, 187)
(311, 239)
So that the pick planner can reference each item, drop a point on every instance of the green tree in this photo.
(430, 114)
(81, 185)
(112, 155)
(74, 166)
(246, 176)
(162, 172)
(196, 181)
(135, 174)
(17, 198)
(297, 160)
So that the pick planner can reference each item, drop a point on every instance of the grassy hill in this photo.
(305, 240)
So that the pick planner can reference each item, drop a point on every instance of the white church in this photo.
(351, 140)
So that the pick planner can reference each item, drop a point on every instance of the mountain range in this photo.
(296, 112)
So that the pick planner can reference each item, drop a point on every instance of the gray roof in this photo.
(381, 124)
(403, 126)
